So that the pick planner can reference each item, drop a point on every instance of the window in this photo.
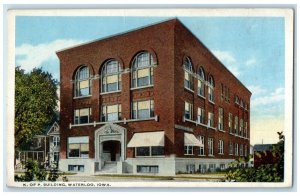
(221, 121)
(212, 167)
(236, 122)
(246, 130)
(210, 119)
(202, 168)
(201, 82)
(236, 149)
(147, 168)
(221, 147)
(82, 82)
(111, 113)
(237, 100)
(188, 74)
(190, 168)
(222, 166)
(246, 150)
(211, 86)
(242, 103)
(76, 168)
(230, 119)
(222, 91)
(201, 115)
(111, 76)
(188, 110)
(202, 141)
(188, 150)
(82, 116)
(56, 156)
(78, 147)
(241, 150)
(149, 151)
(210, 146)
(142, 70)
(241, 127)
(142, 109)
(230, 148)
(56, 141)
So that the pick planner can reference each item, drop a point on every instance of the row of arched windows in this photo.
(142, 75)
(200, 76)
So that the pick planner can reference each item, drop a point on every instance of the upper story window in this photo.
(188, 74)
(210, 119)
(211, 86)
(230, 120)
(142, 109)
(230, 148)
(236, 150)
(202, 141)
(82, 116)
(201, 82)
(241, 127)
(188, 110)
(111, 113)
(246, 130)
(236, 124)
(221, 121)
(241, 150)
(200, 115)
(56, 141)
(82, 82)
(111, 76)
(236, 100)
(210, 146)
(142, 70)
(221, 147)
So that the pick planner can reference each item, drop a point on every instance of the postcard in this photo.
(150, 97)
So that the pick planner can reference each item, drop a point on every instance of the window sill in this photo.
(159, 156)
(214, 128)
(104, 93)
(82, 97)
(221, 130)
(141, 87)
(211, 155)
(220, 153)
(202, 155)
(211, 102)
(188, 154)
(78, 157)
(201, 96)
(188, 89)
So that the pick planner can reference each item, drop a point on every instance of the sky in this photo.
(252, 48)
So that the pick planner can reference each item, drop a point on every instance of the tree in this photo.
(264, 173)
(35, 103)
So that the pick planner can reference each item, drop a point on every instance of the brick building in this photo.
(152, 100)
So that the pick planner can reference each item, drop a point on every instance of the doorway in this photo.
(111, 150)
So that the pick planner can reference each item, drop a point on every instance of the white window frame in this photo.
(230, 122)
(211, 93)
(221, 119)
(85, 141)
(221, 147)
(201, 115)
(135, 68)
(241, 150)
(210, 121)
(201, 82)
(236, 150)
(236, 125)
(188, 69)
(150, 152)
(202, 148)
(105, 75)
(231, 148)
(56, 141)
(188, 149)
(89, 115)
(104, 112)
(150, 109)
(210, 143)
(241, 129)
(78, 80)
(188, 107)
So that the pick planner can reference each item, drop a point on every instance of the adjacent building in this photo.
(152, 100)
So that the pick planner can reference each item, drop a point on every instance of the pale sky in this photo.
(252, 48)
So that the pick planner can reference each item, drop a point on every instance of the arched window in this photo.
(111, 76)
(188, 74)
(142, 70)
(211, 86)
(82, 82)
(201, 82)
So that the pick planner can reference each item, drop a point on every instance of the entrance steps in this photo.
(110, 167)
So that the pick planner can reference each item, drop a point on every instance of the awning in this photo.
(147, 139)
(191, 140)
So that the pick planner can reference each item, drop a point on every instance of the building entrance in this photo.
(111, 150)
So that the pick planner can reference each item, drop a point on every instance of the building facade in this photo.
(152, 100)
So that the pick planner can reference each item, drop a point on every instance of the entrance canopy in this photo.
(191, 140)
(147, 139)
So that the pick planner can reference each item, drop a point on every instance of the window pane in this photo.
(157, 150)
(84, 119)
(143, 81)
(84, 91)
(112, 116)
(144, 105)
(143, 114)
(74, 153)
(142, 151)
